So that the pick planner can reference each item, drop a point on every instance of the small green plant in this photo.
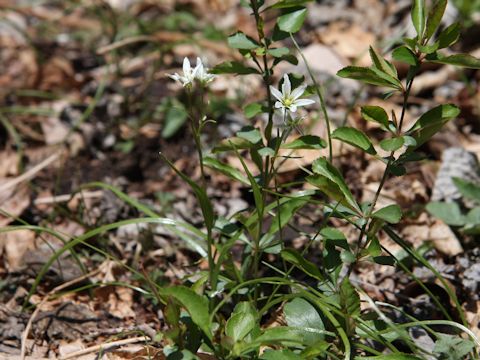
(223, 310)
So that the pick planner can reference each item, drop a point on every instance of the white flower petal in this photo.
(276, 93)
(293, 107)
(286, 86)
(278, 105)
(303, 102)
(175, 76)
(298, 92)
(186, 67)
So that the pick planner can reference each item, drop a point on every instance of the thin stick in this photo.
(30, 173)
(105, 346)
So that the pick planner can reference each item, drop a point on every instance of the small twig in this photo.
(106, 346)
(46, 200)
(28, 175)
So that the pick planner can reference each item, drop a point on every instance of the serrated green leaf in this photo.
(462, 60)
(355, 138)
(405, 55)
(252, 109)
(375, 114)
(431, 122)
(418, 17)
(307, 142)
(449, 36)
(391, 214)
(392, 144)
(241, 41)
(449, 213)
(435, 17)
(292, 21)
(322, 167)
(233, 67)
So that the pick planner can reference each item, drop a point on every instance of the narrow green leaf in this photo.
(418, 17)
(252, 109)
(285, 213)
(391, 214)
(278, 52)
(431, 122)
(299, 313)
(233, 67)
(462, 60)
(467, 188)
(241, 41)
(293, 257)
(322, 167)
(355, 138)
(434, 17)
(283, 4)
(449, 213)
(250, 134)
(196, 305)
(232, 144)
(257, 192)
(405, 55)
(452, 347)
(225, 169)
(375, 114)
(175, 117)
(239, 325)
(307, 142)
(449, 36)
(381, 64)
(367, 75)
(396, 356)
(280, 355)
(374, 248)
(205, 204)
(292, 22)
(392, 144)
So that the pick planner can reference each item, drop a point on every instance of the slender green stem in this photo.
(323, 104)
(198, 145)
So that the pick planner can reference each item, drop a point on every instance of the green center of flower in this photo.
(287, 102)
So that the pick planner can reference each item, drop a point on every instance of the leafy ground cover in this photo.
(239, 179)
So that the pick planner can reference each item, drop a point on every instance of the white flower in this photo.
(201, 73)
(190, 75)
(288, 99)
